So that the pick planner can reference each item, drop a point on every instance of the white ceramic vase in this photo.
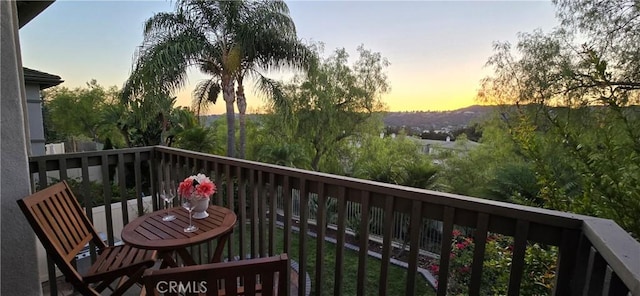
(200, 210)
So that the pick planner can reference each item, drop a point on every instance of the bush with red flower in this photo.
(196, 187)
(538, 277)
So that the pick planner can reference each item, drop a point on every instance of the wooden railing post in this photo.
(342, 222)
(567, 256)
(480, 240)
(447, 230)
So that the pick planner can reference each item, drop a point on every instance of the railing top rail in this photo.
(618, 248)
(73, 160)
(90, 153)
(537, 215)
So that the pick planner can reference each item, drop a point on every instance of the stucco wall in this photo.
(18, 252)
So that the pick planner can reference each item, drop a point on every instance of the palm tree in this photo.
(276, 46)
(224, 39)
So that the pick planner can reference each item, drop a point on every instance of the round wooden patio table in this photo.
(150, 232)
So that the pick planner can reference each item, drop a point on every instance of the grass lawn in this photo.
(397, 275)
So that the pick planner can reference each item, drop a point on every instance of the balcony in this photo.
(275, 207)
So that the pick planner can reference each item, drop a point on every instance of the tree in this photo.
(334, 104)
(50, 133)
(283, 153)
(471, 132)
(396, 161)
(201, 139)
(150, 120)
(180, 120)
(577, 115)
(475, 172)
(224, 39)
(80, 112)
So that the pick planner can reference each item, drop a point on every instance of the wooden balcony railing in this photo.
(596, 256)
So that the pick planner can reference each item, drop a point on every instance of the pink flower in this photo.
(198, 186)
(456, 232)
(206, 189)
(460, 246)
(186, 187)
(434, 269)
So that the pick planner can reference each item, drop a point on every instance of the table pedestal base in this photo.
(187, 259)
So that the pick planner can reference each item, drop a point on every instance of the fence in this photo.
(430, 232)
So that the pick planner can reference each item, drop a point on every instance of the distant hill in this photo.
(419, 120)
(438, 120)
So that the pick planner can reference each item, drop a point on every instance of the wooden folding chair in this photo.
(262, 276)
(64, 229)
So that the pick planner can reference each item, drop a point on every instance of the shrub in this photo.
(537, 279)
(96, 194)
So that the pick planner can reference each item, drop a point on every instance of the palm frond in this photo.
(277, 53)
(272, 15)
(205, 93)
(161, 66)
(274, 90)
(211, 61)
(163, 22)
(208, 15)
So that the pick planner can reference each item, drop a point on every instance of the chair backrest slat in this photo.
(78, 220)
(70, 218)
(256, 275)
(50, 224)
(66, 232)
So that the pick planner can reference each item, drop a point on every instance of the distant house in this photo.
(34, 82)
(437, 147)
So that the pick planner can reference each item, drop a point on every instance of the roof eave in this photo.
(27, 10)
(44, 80)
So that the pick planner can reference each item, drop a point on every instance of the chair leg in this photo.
(122, 281)
(104, 284)
(124, 286)
(107, 284)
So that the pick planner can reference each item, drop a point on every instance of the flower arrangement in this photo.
(196, 187)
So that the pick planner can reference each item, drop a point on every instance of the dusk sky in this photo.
(437, 49)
